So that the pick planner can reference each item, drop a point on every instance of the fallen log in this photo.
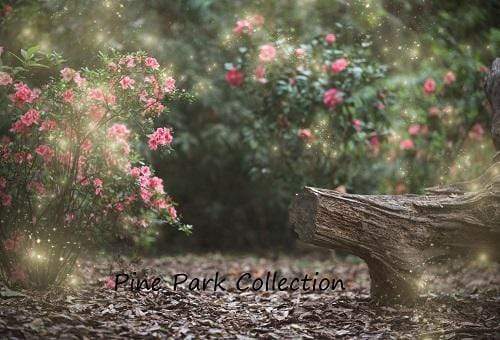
(399, 235)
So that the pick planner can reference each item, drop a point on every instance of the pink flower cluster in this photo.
(333, 97)
(162, 136)
(45, 152)
(267, 53)
(339, 65)
(24, 94)
(27, 120)
(118, 132)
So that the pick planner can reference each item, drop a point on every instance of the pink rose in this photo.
(333, 97)
(330, 38)
(429, 86)
(267, 53)
(152, 63)
(406, 144)
(235, 77)
(5, 79)
(339, 65)
(449, 78)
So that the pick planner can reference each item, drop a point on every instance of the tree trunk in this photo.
(398, 235)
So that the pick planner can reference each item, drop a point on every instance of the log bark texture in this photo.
(398, 235)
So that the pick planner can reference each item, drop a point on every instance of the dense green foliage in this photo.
(238, 157)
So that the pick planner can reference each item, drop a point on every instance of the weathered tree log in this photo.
(399, 235)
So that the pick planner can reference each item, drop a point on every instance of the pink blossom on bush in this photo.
(414, 129)
(98, 186)
(5, 79)
(357, 124)
(172, 212)
(6, 199)
(118, 131)
(96, 112)
(243, 27)
(333, 97)
(339, 65)
(96, 94)
(45, 152)
(169, 85)
(304, 134)
(67, 74)
(109, 283)
(406, 144)
(48, 125)
(68, 96)
(235, 77)
(156, 184)
(79, 80)
(31, 117)
(267, 53)
(449, 78)
(127, 83)
(152, 63)
(162, 136)
(260, 73)
(330, 38)
(23, 94)
(300, 52)
(429, 86)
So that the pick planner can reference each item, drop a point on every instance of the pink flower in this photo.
(6, 199)
(162, 136)
(449, 78)
(5, 79)
(267, 53)
(429, 86)
(330, 38)
(96, 112)
(79, 80)
(68, 96)
(127, 83)
(87, 145)
(357, 124)
(98, 186)
(260, 74)
(129, 61)
(374, 142)
(135, 172)
(304, 134)
(172, 212)
(96, 94)
(414, 129)
(339, 65)
(300, 52)
(156, 184)
(169, 85)
(333, 97)
(243, 27)
(46, 152)
(67, 74)
(151, 62)
(48, 125)
(118, 131)
(119, 207)
(31, 117)
(235, 77)
(23, 94)
(406, 144)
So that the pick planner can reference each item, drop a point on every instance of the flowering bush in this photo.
(71, 171)
(319, 109)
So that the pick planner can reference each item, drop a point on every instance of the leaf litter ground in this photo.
(462, 301)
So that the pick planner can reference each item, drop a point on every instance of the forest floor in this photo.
(463, 300)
